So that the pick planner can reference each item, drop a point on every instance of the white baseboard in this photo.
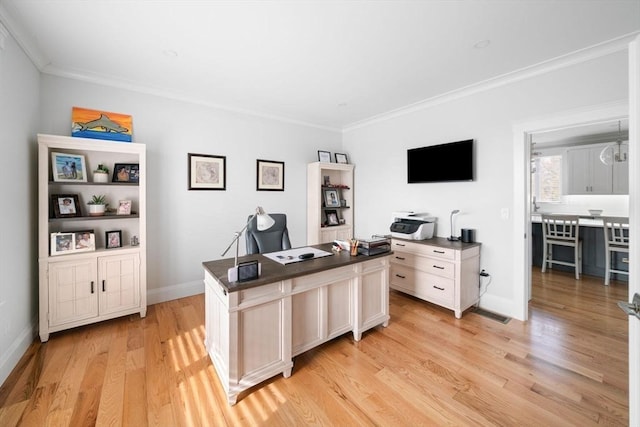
(11, 356)
(168, 293)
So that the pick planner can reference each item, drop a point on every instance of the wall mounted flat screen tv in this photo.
(440, 163)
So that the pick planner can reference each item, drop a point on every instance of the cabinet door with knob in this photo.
(90, 290)
(73, 291)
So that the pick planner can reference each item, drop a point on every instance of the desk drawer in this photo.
(422, 249)
(438, 267)
(423, 285)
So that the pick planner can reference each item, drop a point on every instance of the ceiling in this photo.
(332, 64)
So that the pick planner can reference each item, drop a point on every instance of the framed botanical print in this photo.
(269, 175)
(207, 172)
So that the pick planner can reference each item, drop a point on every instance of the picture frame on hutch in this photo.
(331, 198)
(126, 172)
(65, 205)
(66, 167)
(332, 217)
(207, 172)
(324, 156)
(269, 175)
(341, 158)
(113, 239)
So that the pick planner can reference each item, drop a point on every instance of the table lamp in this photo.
(264, 222)
(452, 237)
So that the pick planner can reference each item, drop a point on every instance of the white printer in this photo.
(412, 226)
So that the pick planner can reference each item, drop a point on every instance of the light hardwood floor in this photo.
(566, 366)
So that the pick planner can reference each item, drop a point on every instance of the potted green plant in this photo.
(101, 174)
(97, 205)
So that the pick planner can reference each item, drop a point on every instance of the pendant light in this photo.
(612, 153)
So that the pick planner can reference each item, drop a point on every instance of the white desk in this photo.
(254, 329)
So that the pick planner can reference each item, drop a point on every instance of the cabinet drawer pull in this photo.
(92, 286)
(438, 288)
(103, 286)
(400, 258)
(401, 276)
(400, 244)
(438, 252)
(438, 267)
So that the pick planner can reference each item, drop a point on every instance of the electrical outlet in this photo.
(504, 213)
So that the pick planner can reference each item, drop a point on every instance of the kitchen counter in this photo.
(593, 248)
(585, 220)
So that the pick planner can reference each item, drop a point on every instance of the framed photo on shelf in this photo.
(269, 175)
(124, 207)
(324, 156)
(62, 243)
(65, 205)
(332, 218)
(84, 241)
(331, 199)
(207, 172)
(113, 239)
(126, 172)
(341, 158)
(68, 167)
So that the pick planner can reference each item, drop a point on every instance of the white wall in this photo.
(19, 89)
(185, 227)
(379, 152)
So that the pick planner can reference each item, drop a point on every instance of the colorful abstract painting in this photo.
(96, 124)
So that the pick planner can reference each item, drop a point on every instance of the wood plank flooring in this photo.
(566, 366)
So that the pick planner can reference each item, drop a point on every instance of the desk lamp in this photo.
(264, 222)
(452, 237)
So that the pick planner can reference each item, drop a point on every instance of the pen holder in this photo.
(354, 247)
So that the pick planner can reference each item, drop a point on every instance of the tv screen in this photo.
(440, 163)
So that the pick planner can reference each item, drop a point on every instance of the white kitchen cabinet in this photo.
(437, 270)
(586, 174)
(80, 285)
(332, 177)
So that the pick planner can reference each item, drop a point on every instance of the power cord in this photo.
(483, 273)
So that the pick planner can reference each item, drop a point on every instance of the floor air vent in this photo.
(497, 317)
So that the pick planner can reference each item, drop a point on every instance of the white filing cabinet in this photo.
(437, 270)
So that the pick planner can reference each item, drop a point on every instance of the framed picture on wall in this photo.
(207, 172)
(269, 175)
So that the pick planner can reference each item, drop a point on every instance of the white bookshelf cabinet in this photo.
(83, 287)
(340, 177)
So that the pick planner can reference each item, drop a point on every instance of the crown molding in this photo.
(20, 35)
(87, 77)
(586, 54)
(3, 36)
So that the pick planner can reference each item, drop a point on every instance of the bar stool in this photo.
(562, 230)
(616, 239)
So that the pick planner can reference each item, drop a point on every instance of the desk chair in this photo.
(616, 239)
(273, 239)
(561, 230)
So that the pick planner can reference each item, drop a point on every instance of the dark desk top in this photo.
(273, 271)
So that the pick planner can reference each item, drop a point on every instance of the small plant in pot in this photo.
(97, 205)
(101, 174)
